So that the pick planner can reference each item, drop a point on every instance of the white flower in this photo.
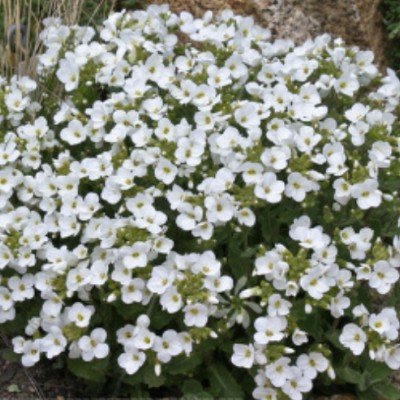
(380, 154)
(385, 323)
(165, 171)
(279, 371)
(54, 343)
(269, 329)
(195, 315)
(74, 133)
(218, 284)
(161, 279)
(383, 277)
(392, 357)
(22, 288)
(270, 263)
(131, 360)
(356, 112)
(314, 283)
(5, 256)
(269, 189)
(297, 384)
(133, 291)
(93, 346)
(219, 208)
(171, 300)
(218, 77)
(252, 172)
(143, 339)
(246, 217)
(137, 255)
(68, 74)
(247, 117)
(367, 194)
(78, 277)
(30, 353)
(15, 101)
(299, 337)
(167, 346)
(154, 108)
(278, 98)
(306, 139)
(80, 315)
(243, 355)
(207, 264)
(189, 216)
(353, 338)
(338, 304)
(347, 84)
(312, 364)
(342, 191)
(297, 187)
(277, 306)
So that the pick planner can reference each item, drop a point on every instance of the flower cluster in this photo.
(223, 183)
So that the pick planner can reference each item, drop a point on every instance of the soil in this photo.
(43, 381)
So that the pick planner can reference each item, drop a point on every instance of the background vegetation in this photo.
(391, 18)
(19, 46)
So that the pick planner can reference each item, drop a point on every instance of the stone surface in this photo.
(357, 21)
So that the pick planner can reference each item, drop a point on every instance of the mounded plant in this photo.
(186, 205)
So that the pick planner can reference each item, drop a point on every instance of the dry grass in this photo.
(22, 23)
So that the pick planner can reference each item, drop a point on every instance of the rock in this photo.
(358, 22)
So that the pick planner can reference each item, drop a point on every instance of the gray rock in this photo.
(358, 22)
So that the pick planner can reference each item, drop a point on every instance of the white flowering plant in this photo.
(187, 205)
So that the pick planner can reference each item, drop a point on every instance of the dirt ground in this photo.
(41, 383)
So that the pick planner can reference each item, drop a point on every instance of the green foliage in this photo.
(224, 383)
(391, 18)
(94, 371)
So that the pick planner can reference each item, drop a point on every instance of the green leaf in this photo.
(183, 364)
(364, 296)
(191, 386)
(147, 376)
(366, 395)
(239, 265)
(8, 355)
(151, 379)
(138, 393)
(128, 311)
(311, 323)
(394, 298)
(333, 337)
(375, 372)
(193, 390)
(387, 391)
(160, 319)
(223, 381)
(134, 379)
(92, 371)
(350, 375)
